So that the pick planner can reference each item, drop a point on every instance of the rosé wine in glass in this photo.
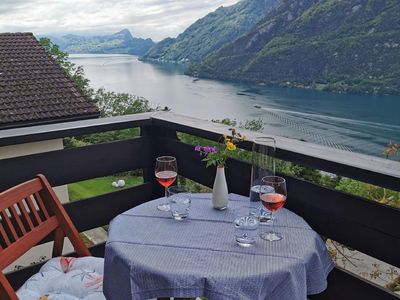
(166, 171)
(273, 201)
(273, 195)
(166, 178)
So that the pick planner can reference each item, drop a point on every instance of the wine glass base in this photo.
(265, 216)
(163, 207)
(266, 221)
(220, 208)
(271, 236)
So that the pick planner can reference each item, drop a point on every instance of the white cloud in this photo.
(144, 18)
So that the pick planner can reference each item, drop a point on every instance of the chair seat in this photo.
(66, 278)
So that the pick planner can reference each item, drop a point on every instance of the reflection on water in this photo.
(361, 123)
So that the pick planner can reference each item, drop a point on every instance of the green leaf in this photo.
(210, 163)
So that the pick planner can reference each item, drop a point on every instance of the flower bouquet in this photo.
(216, 156)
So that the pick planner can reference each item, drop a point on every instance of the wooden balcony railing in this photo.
(365, 225)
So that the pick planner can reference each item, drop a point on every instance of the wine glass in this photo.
(273, 195)
(166, 171)
(263, 164)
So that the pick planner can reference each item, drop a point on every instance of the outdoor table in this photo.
(149, 255)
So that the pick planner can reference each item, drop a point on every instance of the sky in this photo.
(156, 19)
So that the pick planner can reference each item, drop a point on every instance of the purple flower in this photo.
(205, 150)
(213, 149)
(210, 149)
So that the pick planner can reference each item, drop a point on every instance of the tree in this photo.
(108, 103)
(117, 104)
(74, 72)
(113, 104)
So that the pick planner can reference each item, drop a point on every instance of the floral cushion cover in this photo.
(66, 278)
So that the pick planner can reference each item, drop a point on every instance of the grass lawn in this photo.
(102, 185)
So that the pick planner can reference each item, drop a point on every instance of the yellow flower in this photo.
(230, 146)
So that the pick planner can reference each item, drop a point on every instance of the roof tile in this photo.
(33, 88)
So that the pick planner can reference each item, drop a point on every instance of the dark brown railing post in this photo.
(156, 133)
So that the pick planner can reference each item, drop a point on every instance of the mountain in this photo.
(212, 32)
(154, 53)
(342, 45)
(121, 42)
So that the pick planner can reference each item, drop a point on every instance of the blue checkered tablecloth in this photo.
(148, 255)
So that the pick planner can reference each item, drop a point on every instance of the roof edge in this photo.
(48, 121)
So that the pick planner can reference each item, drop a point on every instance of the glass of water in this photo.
(179, 199)
(246, 222)
(263, 164)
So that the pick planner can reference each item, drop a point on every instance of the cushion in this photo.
(66, 278)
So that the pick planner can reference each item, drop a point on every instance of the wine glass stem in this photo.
(165, 192)
(272, 222)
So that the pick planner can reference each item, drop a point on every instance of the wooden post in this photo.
(156, 133)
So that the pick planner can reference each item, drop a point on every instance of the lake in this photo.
(359, 123)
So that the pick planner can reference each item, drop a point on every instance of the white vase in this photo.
(220, 190)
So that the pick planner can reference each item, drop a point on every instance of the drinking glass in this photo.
(246, 224)
(263, 164)
(179, 198)
(273, 195)
(166, 171)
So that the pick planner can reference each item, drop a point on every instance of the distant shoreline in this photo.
(319, 87)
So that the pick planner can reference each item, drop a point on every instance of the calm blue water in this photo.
(360, 123)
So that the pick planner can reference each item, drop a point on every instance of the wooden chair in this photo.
(28, 213)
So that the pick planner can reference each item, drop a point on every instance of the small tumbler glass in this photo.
(179, 199)
(246, 222)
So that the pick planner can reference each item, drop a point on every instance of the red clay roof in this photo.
(33, 88)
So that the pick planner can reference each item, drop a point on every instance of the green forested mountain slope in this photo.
(121, 42)
(344, 45)
(157, 51)
(210, 33)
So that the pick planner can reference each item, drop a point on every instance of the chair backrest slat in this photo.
(4, 235)
(33, 210)
(43, 208)
(23, 209)
(5, 215)
(28, 213)
(17, 218)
